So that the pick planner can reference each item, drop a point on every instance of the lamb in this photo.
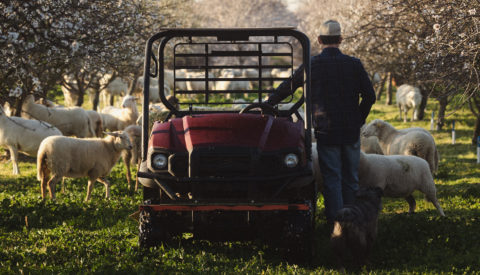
(118, 118)
(133, 156)
(398, 176)
(24, 135)
(70, 121)
(408, 97)
(94, 158)
(411, 141)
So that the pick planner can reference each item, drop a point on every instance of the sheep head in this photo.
(373, 128)
(122, 141)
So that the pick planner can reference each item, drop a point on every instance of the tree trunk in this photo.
(96, 99)
(388, 100)
(441, 112)
(81, 93)
(476, 132)
(381, 86)
(423, 104)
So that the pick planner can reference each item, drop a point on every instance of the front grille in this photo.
(224, 165)
(227, 162)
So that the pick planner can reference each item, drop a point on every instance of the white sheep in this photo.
(199, 85)
(70, 121)
(96, 121)
(408, 97)
(116, 87)
(411, 141)
(94, 158)
(398, 176)
(232, 85)
(95, 118)
(370, 145)
(23, 135)
(118, 118)
(153, 95)
(133, 156)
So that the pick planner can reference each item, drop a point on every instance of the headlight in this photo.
(159, 161)
(291, 160)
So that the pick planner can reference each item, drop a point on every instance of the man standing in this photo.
(337, 81)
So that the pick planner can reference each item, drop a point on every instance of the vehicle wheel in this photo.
(299, 237)
(152, 195)
(151, 232)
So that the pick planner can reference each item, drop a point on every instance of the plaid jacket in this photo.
(338, 81)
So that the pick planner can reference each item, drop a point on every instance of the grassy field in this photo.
(71, 236)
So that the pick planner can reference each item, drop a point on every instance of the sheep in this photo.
(133, 156)
(231, 85)
(118, 118)
(94, 158)
(398, 176)
(95, 118)
(153, 95)
(370, 145)
(24, 135)
(96, 121)
(411, 141)
(408, 97)
(116, 87)
(70, 121)
(199, 85)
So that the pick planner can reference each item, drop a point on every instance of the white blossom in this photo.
(15, 92)
(436, 27)
(472, 11)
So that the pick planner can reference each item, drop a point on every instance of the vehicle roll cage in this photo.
(225, 37)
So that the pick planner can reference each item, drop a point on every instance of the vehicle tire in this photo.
(152, 195)
(298, 237)
(150, 231)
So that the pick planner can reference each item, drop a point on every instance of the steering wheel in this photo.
(264, 108)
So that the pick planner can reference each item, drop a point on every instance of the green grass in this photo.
(71, 236)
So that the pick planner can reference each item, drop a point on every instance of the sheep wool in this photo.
(398, 176)
(60, 157)
(23, 135)
(411, 141)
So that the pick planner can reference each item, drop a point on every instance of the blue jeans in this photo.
(339, 167)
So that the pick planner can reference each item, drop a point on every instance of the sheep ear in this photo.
(115, 134)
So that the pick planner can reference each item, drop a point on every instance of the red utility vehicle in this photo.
(223, 164)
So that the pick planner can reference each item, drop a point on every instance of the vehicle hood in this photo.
(239, 130)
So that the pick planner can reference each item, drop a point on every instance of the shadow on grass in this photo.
(426, 241)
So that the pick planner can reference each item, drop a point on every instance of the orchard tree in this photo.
(42, 40)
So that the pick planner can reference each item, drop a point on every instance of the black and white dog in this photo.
(355, 227)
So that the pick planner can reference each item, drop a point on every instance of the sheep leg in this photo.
(126, 161)
(411, 203)
(89, 188)
(14, 158)
(107, 186)
(136, 177)
(405, 115)
(430, 196)
(52, 183)
(63, 185)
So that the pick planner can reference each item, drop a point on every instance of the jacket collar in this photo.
(331, 51)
